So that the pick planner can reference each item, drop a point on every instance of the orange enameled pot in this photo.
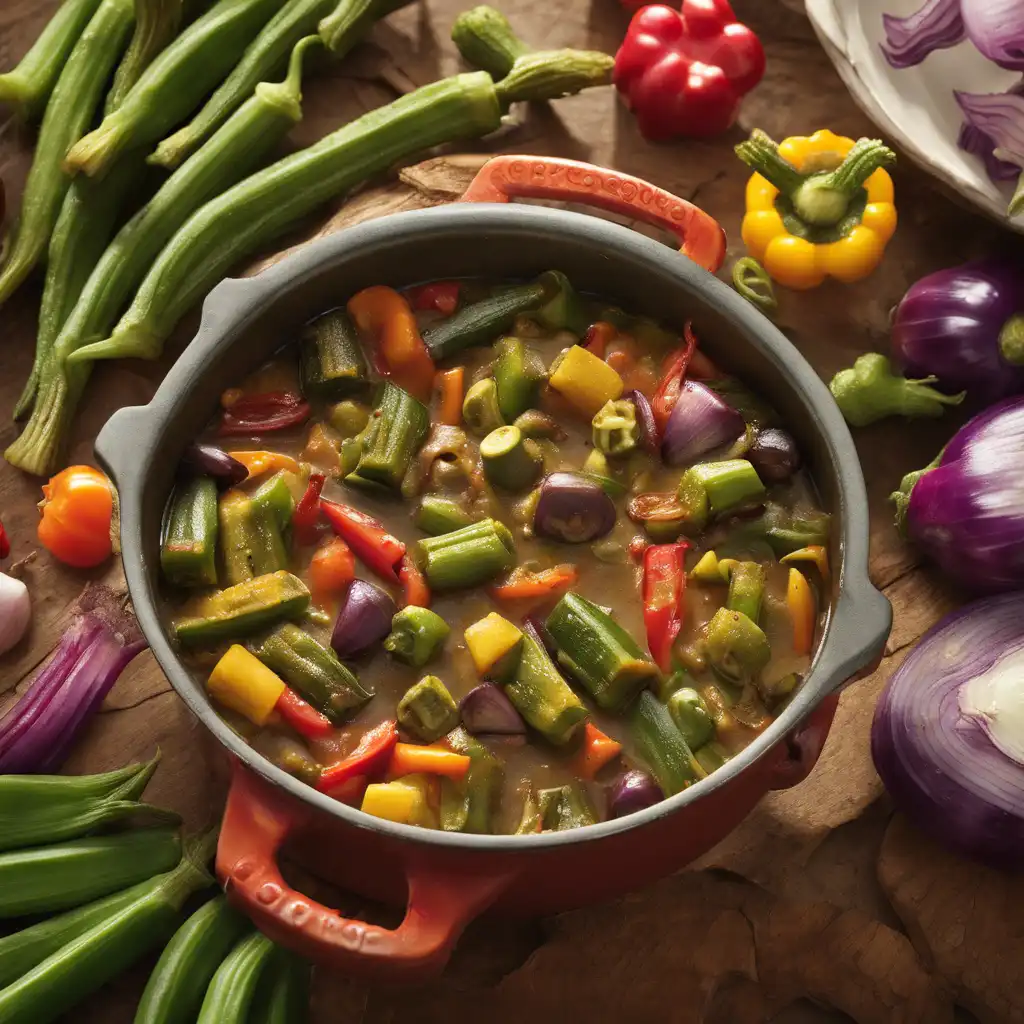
(447, 879)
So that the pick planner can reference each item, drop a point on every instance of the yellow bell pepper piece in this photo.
(261, 462)
(800, 603)
(801, 263)
(586, 380)
(706, 570)
(491, 639)
(815, 553)
(404, 800)
(242, 682)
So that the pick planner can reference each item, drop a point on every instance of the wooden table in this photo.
(823, 905)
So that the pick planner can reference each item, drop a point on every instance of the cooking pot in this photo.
(447, 879)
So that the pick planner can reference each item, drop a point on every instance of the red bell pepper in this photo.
(440, 297)
(372, 544)
(414, 584)
(685, 72)
(302, 717)
(307, 512)
(259, 414)
(5, 544)
(370, 758)
(663, 591)
(598, 337)
(673, 374)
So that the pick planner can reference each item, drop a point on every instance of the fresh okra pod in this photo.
(156, 24)
(233, 988)
(417, 634)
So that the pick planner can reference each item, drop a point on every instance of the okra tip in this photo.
(128, 342)
(136, 785)
(93, 153)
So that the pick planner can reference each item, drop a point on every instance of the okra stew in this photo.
(494, 558)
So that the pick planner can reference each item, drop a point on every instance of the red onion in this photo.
(649, 440)
(533, 627)
(999, 116)
(975, 141)
(486, 709)
(208, 460)
(774, 455)
(37, 733)
(938, 756)
(364, 619)
(573, 508)
(935, 26)
(996, 27)
(632, 791)
(700, 422)
(966, 510)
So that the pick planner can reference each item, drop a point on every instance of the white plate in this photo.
(914, 107)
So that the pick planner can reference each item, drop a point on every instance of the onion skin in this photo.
(966, 511)
(573, 508)
(364, 619)
(939, 765)
(948, 324)
(701, 421)
(649, 440)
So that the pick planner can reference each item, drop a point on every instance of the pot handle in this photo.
(543, 177)
(798, 753)
(257, 821)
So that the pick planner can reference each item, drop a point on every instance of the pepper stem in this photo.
(823, 199)
(1011, 340)
(761, 153)
(485, 39)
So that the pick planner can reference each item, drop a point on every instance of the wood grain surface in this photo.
(822, 906)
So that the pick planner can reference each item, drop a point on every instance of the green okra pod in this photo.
(174, 84)
(661, 745)
(485, 39)
(176, 988)
(428, 710)
(156, 24)
(288, 999)
(417, 634)
(188, 548)
(230, 993)
(544, 699)
(350, 20)
(237, 148)
(469, 805)
(29, 85)
(69, 111)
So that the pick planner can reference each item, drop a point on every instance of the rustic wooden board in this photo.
(821, 906)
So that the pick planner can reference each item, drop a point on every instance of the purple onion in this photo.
(573, 508)
(632, 791)
(938, 760)
(534, 628)
(36, 735)
(486, 709)
(996, 27)
(208, 460)
(700, 422)
(1000, 117)
(975, 141)
(645, 421)
(937, 25)
(966, 510)
(774, 455)
(949, 326)
(364, 619)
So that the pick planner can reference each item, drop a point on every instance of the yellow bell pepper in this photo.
(490, 640)
(242, 682)
(815, 553)
(260, 462)
(800, 603)
(586, 380)
(405, 800)
(818, 206)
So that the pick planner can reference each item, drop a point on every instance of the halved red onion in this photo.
(486, 709)
(364, 619)
(1000, 116)
(632, 791)
(700, 422)
(573, 508)
(948, 733)
(209, 460)
(774, 455)
(649, 440)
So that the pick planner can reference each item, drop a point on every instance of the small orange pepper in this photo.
(450, 386)
(800, 603)
(411, 759)
(598, 749)
(260, 462)
(77, 517)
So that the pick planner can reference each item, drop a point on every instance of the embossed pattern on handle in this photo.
(257, 821)
(541, 177)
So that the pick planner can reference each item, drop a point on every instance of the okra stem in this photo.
(467, 557)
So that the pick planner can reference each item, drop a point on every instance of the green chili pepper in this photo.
(238, 147)
(751, 280)
(71, 107)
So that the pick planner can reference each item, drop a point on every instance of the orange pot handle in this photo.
(544, 177)
(258, 820)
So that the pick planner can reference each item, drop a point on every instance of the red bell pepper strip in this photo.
(439, 296)
(414, 584)
(307, 511)
(370, 758)
(684, 72)
(372, 544)
(671, 384)
(5, 544)
(302, 717)
(598, 336)
(663, 590)
(259, 414)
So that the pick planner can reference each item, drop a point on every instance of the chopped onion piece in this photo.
(935, 26)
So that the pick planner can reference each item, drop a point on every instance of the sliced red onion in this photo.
(533, 627)
(649, 440)
(1000, 117)
(208, 460)
(700, 422)
(486, 709)
(996, 27)
(774, 455)
(935, 26)
(36, 735)
(933, 744)
(632, 791)
(973, 140)
(364, 619)
(573, 508)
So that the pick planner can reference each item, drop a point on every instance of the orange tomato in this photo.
(77, 510)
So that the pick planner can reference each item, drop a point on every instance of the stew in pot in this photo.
(495, 558)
